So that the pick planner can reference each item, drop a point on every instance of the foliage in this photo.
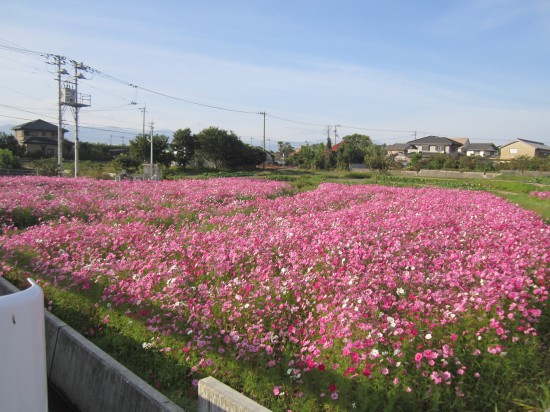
(476, 163)
(304, 157)
(284, 150)
(128, 163)
(354, 148)
(8, 160)
(541, 164)
(98, 151)
(183, 144)
(9, 142)
(140, 149)
(45, 167)
(226, 151)
(376, 158)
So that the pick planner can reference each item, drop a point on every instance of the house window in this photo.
(49, 152)
(513, 151)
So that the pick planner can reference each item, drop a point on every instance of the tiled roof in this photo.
(480, 146)
(40, 140)
(398, 146)
(39, 125)
(434, 140)
(536, 145)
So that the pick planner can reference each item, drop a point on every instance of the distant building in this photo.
(431, 145)
(401, 151)
(40, 138)
(464, 141)
(523, 147)
(480, 149)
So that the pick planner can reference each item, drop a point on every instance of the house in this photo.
(269, 158)
(431, 145)
(464, 141)
(480, 149)
(40, 138)
(401, 151)
(336, 147)
(523, 147)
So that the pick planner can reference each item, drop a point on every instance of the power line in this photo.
(42, 56)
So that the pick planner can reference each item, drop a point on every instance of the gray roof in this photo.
(537, 145)
(435, 140)
(398, 146)
(39, 125)
(480, 146)
(40, 140)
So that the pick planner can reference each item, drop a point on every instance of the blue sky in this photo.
(457, 68)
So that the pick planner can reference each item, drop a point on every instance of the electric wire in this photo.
(7, 45)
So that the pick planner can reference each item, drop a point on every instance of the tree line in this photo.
(218, 149)
(211, 148)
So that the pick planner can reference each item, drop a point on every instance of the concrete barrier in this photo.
(452, 174)
(215, 396)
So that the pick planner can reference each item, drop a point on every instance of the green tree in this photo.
(527, 163)
(304, 157)
(183, 145)
(99, 152)
(45, 167)
(319, 160)
(140, 149)
(226, 151)
(9, 142)
(377, 158)
(330, 156)
(416, 161)
(285, 150)
(8, 160)
(355, 147)
(437, 161)
(126, 162)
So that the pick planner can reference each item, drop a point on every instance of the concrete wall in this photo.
(455, 174)
(525, 173)
(89, 378)
(214, 396)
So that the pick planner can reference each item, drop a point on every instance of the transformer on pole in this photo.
(70, 97)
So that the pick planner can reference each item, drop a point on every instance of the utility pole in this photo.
(336, 134)
(265, 154)
(142, 109)
(71, 98)
(59, 61)
(151, 139)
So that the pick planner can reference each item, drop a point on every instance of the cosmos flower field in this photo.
(329, 291)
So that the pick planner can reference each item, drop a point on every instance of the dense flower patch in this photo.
(540, 195)
(369, 282)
